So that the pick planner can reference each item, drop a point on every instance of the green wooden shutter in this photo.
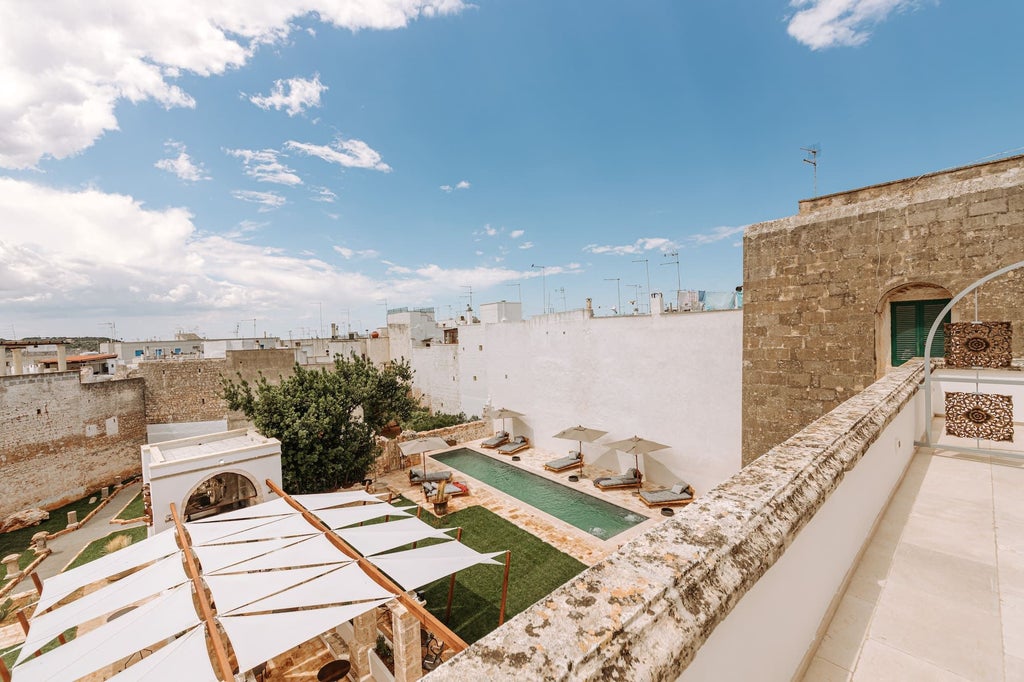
(904, 332)
(929, 311)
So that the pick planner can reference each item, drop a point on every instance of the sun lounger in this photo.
(515, 445)
(498, 439)
(451, 489)
(416, 476)
(570, 462)
(631, 478)
(680, 494)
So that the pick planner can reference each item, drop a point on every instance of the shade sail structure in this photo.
(256, 639)
(381, 537)
(203, 533)
(311, 551)
(120, 638)
(132, 556)
(183, 659)
(216, 558)
(339, 585)
(276, 507)
(233, 590)
(162, 575)
(350, 516)
(327, 500)
(417, 567)
(280, 527)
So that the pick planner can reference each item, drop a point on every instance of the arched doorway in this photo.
(222, 492)
(914, 307)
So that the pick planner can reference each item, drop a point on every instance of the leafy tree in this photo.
(326, 420)
(424, 420)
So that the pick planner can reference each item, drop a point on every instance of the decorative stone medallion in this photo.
(978, 344)
(979, 415)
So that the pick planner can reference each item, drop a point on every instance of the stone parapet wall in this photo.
(645, 612)
(816, 285)
(390, 458)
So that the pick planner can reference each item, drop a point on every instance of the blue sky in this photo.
(219, 162)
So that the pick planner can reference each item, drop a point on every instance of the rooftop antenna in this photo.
(647, 270)
(679, 279)
(544, 283)
(813, 152)
(618, 292)
(561, 290)
(469, 294)
(519, 291)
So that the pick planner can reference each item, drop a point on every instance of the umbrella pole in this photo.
(504, 587)
(5, 674)
(451, 585)
(581, 458)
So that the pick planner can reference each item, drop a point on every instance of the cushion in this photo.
(678, 488)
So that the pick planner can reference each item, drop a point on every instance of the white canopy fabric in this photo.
(327, 500)
(215, 558)
(380, 537)
(281, 527)
(256, 639)
(276, 507)
(350, 516)
(132, 632)
(61, 585)
(186, 658)
(237, 589)
(346, 584)
(416, 567)
(164, 574)
(306, 552)
(214, 533)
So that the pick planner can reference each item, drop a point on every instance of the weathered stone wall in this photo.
(390, 458)
(60, 438)
(817, 285)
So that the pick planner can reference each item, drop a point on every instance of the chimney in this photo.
(334, 330)
(657, 307)
(18, 367)
(62, 357)
(589, 307)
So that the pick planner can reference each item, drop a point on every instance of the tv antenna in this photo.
(813, 152)
(468, 294)
(679, 279)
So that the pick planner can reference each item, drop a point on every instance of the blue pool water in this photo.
(586, 512)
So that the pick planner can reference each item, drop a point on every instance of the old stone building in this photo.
(822, 287)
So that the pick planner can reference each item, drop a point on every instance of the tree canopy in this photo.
(325, 419)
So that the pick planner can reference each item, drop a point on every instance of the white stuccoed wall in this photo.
(675, 379)
(437, 376)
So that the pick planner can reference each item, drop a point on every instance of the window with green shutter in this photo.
(911, 321)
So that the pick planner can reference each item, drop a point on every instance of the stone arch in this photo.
(910, 291)
(223, 491)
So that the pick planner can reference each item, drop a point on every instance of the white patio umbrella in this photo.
(503, 413)
(422, 446)
(637, 446)
(582, 434)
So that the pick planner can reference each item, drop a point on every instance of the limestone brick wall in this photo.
(60, 438)
(817, 285)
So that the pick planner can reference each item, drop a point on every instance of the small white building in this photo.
(207, 475)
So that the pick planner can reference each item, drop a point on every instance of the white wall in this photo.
(158, 433)
(940, 387)
(778, 619)
(437, 376)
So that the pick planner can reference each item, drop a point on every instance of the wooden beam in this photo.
(204, 603)
(451, 585)
(5, 674)
(427, 619)
(504, 587)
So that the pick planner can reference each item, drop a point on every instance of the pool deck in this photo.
(566, 537)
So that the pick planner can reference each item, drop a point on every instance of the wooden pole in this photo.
(504, 587)
(451, 584)
(5, 674)
(38, 583)
(24, 626)
(427, 619)
(220, 652)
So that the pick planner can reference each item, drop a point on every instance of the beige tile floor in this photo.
(939, 591)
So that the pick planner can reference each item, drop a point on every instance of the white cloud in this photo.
(715, 235)
(267, 200)
(526, 245)
(820, 24)
(294, 95)
(182, 164)
(352, 253)
(263, 165)
(639, 246)
(324, 195)
(461, 184)
(347, 153)
(65, 65)
(516, 234)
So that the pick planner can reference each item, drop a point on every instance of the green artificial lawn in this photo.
(536, 570)
(18, 541)
(133, 510)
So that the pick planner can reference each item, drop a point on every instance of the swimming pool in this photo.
(588, 513)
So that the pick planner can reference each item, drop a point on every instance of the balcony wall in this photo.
(738, 584)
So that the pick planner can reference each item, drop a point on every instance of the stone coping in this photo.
(645, 611)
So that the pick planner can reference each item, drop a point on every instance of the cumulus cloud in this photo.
(264, 165)
(66, 65)
(268, 200)
(526, 245)
(294, 95)
(488, 231)
(347, 153)
(461, 184)
(639, 246)
(324, 195)
(349, 254)
(715, 235)
(516, 234)
(820, 24)
(182, 164)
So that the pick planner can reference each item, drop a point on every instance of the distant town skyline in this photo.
(200, 167)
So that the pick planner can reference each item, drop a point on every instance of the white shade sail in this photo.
(417, 567)
(186, 658)
(306, 552)
(256, 639)
(237, 589)
(61, 585)
(380, 537)
(281, 527)
(327, 500)
(276, 507)
(346, 584)
(349, 516)
(132, 632)
(164, 574)
(222, 557)
(214, 533)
